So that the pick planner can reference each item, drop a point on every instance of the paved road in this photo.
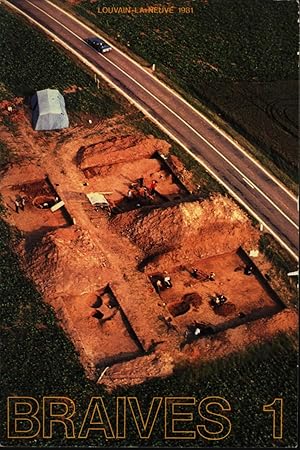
(244, 178)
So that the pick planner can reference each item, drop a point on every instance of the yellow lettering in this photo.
(223, 423)
(144, 427)
(96, 419)
(50, 416)
(24, 411)
(173, 416)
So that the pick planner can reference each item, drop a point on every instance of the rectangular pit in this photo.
(37, 219)
(120, 180)
(38, 193)
(249, 297)
(102, 327)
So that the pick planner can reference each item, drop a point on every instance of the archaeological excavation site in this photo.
(143, 271)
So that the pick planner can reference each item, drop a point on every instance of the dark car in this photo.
(98, 44)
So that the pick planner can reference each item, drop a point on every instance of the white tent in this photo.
(48, 110)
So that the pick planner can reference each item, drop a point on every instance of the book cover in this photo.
(149, 223)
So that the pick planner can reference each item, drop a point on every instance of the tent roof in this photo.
(50, 102)
(49, 110)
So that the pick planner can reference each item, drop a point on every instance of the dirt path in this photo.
(133, 290)
(94, 253)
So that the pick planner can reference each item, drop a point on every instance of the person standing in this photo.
(195, 273)
(152, 187)
(144, 192)
(158, 286)
(23, 201)
(167, 281)
(17, 205)
(212, 276)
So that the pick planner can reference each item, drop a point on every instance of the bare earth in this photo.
(96, 266)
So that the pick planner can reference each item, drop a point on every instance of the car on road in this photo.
(98, 44)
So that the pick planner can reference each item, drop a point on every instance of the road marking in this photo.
(146, 113)
(57, 21)
(249, 182)
(253, 185)
(212, 124)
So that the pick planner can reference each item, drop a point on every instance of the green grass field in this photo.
(237, 57)
(5, 156)
(31, 62)
(37, 359)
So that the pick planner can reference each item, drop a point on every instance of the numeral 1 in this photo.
(276, 407)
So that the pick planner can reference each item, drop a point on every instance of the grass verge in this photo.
(200, 177)
(6, 156)
(48, 67)
(245, 105)
(37, 359)
(282, 264)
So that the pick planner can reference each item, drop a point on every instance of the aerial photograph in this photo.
(149, 230)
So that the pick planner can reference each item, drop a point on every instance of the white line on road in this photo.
(146, 113)
(253, 185)
(212, 124)
(249, 182)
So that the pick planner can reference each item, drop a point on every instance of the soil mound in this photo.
(207, 228)
(66, 262)
(119, 149)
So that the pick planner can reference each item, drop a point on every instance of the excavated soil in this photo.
(247, 296)
(116, 179)
(29, 181)
(65, 255)
(114, 166)
(189, 229)
(205, 349)
(79, 267)
(117, 150)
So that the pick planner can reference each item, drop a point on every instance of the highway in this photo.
(243, 177)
